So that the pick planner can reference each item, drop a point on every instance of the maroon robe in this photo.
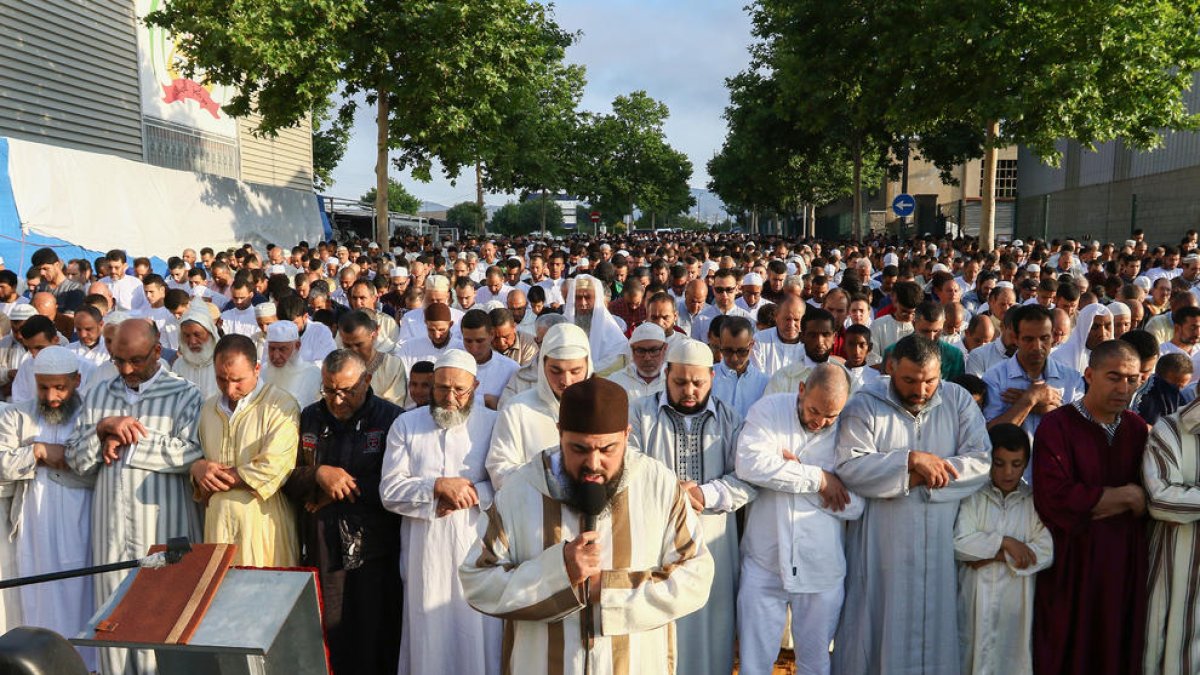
(1089, 609)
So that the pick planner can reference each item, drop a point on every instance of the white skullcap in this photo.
(709, 266)
(939, 267)
(836, 253)
(276, 269)
(372, 245)
(1018, 243)
(791, 267)
(623, 252)
(115, 317)
(689, 352)
(1034, 268)
(22, 312)
(510, 251)
(265, 309)
(283, 331)
(55, 360)
(891, 259)
(399, 272)
(752, 279)
(493, 304)
(584, 262)
(605, 247)
(1191, 258)
(343, 248)
(437, 282)
(1118, 308)
(456, 358)
(648, 331)
(1004, 284)
(1143, 283)
(1130, 243)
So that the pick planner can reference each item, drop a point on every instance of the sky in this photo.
(678, 51)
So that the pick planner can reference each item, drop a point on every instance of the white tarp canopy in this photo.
(101, 202)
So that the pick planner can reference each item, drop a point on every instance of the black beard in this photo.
(575, 488)
(689, 409)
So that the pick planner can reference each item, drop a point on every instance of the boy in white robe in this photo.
(1001, 544)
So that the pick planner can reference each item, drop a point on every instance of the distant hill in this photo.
(708, 206)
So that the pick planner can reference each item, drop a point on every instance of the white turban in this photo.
(456, 358)
(55, 360)
(202, 317)
(283, 331)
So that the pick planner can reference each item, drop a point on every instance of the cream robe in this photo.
(259, 440)
(388, 379)
(442, 634)
(635, 387)
(995, 602)
(655, 569)
(771, 354)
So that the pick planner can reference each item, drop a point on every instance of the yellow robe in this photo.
(260, 441)
(388, 379)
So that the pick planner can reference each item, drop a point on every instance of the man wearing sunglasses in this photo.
(724, 287)
(737, 382)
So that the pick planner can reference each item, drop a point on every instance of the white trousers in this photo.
(10, 600)
(762, 606)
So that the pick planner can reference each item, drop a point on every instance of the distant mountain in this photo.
(433, 206)
(709, 206)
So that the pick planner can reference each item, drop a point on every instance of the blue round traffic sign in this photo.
(904, 205)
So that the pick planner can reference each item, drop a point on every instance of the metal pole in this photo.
(1046, 218)
(1133, 214)
(904, 184)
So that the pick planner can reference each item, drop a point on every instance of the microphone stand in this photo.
(176, 548)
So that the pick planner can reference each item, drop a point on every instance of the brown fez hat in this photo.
(594, 406)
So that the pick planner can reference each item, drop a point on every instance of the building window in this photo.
(1006, 178)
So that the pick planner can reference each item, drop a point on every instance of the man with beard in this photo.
(345, 531)
(586, 307)
(285, 370)
(1030, 384)
(436, 340)
(912, 449)
(434, 477)
(359, 333)
(316, 340)
(1093, 326)
(248, 434)
(528, 423)
(52, 504)
(363, 296)
(197, 340)
(527, 377)
(137, 435)
(239, 317)
(695, 435)
(981, 359)
(779, 347)
(437, 291)
(1185, 337)
(817, 335)
(644, 375)
(518, 304)
(36, 334)
(793, 546)
(577, 593)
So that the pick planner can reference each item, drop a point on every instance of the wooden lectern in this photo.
(201, 617)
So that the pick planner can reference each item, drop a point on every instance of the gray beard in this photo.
(584, 321)
(199, 359)
(449, 419)
(62, 413)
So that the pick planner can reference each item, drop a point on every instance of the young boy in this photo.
(1001, 544)
(857, 348)
(1165, 391)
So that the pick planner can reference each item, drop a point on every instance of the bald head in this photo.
(823, 396)
(45, 304)
(101, 288)
(135, 351)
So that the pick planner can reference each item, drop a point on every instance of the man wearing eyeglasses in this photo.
(434, 477)
(344, 530)
(724, 289)
(737, 382)
(643, 376)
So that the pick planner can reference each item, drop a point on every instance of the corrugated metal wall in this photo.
(68, 74)
(285, 160)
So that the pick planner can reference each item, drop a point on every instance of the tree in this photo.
(399, 200)
(631, 164)
(435, 69)
(330, 135)
(995, 73)
(465, 215)
(530, 215)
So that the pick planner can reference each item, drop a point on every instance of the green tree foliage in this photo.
(330, 134)
(465, 215)
(399, 200)
(630, 164)
(525, 217)
(438, 70)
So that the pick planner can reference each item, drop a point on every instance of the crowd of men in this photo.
(629, 454)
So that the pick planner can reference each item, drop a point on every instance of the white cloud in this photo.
(678, 52)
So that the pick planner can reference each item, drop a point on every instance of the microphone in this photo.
(591, 502)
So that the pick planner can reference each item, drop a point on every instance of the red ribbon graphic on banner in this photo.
(182, 89)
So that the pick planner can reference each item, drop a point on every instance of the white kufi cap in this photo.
(752, 279)
(456, 358)
(283, 331)
(22, 312)
(647, 331)
(55, 360)
(689, 352)
(265, 309)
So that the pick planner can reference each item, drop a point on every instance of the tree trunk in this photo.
(479, 196)
(856, 217)
(382, 224)
(543, 214)
(987, 224)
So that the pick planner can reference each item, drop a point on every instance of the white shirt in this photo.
(493, 375)
(128, 293)
(239, 321)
